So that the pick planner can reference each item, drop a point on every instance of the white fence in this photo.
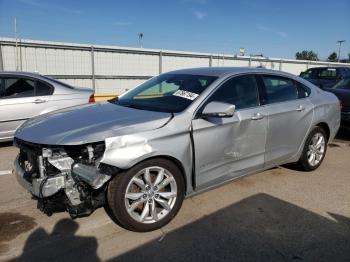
(113, 69)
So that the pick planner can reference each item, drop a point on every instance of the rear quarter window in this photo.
(303, 90)
(43, 89)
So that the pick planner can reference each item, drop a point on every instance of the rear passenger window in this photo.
(279, 89)
(17, 88)
(42, 89)
(328, 73)
(241, 91)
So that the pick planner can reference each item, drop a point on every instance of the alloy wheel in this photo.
(150, 194)
(316, 149)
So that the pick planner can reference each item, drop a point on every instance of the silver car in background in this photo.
(175, 135)
(25, 95)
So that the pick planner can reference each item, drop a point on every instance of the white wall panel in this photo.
(126, 64)
(116, 86)
(173, 62)
(73, 60)
(84, 83)
(8, 56)
(293, 68)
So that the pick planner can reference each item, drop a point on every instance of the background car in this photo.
(325, 77)
(342, 91)
(177, 134)
(25, 95)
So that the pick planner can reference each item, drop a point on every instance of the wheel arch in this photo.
(326, 128)
(171, 159)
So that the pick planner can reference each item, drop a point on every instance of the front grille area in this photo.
(28, 160)
(28, 157)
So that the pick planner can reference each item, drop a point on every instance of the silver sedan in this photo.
(177, 134)
(25, 95)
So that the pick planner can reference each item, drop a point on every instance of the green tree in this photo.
(333, 57)
(306, 55)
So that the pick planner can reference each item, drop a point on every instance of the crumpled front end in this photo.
(64, 178)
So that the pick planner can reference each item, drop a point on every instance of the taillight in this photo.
(340, 105)
(92, 99)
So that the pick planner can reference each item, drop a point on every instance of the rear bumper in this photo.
(48, 186)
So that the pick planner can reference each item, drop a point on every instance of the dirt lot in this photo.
(277, 215)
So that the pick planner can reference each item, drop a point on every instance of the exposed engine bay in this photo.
(64, 178)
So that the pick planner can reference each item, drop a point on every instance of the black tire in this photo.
(303, 162)
(117, 189)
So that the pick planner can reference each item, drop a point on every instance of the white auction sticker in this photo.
(186, 94)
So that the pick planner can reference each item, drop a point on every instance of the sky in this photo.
(274, 28)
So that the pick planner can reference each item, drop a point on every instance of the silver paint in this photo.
(251, 140)
(14, 111)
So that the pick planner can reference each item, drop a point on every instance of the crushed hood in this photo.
(88, 124)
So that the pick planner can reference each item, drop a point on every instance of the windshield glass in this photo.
(166, 92)
(343, 84)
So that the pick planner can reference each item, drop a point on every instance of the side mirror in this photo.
(218, 109)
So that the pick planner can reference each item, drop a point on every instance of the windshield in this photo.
(166, 93)
(343, 84)
(309, 74)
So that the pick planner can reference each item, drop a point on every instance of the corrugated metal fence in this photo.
(113, 69)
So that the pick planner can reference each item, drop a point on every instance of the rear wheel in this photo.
(147, 196)
(314, 149)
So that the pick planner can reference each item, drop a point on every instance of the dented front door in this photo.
(229, 147)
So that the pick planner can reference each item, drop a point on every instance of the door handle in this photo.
(300, 108)
(257, 116)
(39, 101)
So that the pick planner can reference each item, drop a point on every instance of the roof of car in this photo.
(328, 67)
(20, 73)
(33, 75)
(222, 71)
(26, 74)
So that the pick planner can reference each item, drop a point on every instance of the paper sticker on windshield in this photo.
(186, 94)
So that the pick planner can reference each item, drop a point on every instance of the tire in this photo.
(309, 148)
(152, 202)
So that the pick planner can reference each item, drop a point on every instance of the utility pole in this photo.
(141, 39)
(16, 51)
(339, 42)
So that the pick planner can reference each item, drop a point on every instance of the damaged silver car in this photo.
(177, 134)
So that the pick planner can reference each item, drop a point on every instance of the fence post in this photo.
(160, 62)
(93, 68)
(210, 60)
(250, 61)
(280, 65)
(20, 55)
(1, 60)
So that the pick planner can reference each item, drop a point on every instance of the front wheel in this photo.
(147, 196)
(314, 150)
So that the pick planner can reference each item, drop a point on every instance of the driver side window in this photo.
(241, 91)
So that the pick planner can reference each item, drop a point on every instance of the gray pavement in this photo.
(277, 215)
